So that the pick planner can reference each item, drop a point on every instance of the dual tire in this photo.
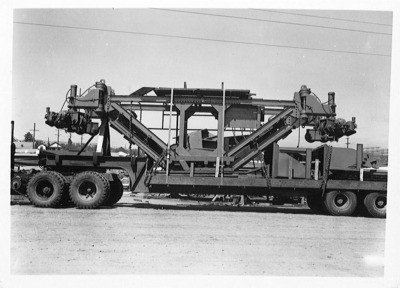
(88, 190)
(337, 203)
(47, 189)
(340, 203)
(345, 203)
(116, 190)
(375, 204)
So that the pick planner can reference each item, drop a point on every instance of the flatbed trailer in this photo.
(338, 181)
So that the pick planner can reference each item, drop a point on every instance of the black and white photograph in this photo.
(208, 145)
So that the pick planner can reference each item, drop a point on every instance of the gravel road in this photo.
(145, 239)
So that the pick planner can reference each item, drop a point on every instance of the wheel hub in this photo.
(44, 189)
(87, 190)
(16, 183)
(380, 202)
(340, 200)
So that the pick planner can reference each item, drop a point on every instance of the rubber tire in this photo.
(101, 195)
(316, 204)
(66, 199)
(116, 191)
(347, 209)
(370, 205)
(17, 187)
(54, 181)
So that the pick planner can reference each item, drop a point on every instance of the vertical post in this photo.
(223, 130)
(275, 160)
(290, 168)
(176, 125)
(316, 170)
(217, 167)
(12, 146)
(183, 124)
(191, 169)
(308, 163)
(58, 138)
(103, 140)
(220, 141)
(169, 134)
(359, 157)
(12, 131)
(34, 135)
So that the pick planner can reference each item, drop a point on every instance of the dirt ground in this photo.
(137, 238)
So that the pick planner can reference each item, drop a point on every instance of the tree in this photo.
(28, 137)
(39, 142)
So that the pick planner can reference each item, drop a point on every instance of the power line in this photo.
(324, 17)
(198, 38)
(272, 21)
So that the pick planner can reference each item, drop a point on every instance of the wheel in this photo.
(89, 190)
(340, 203)
(16, 186)
(66, 199)
(116, 191)
(375, 203)
(46, 189)
(316, 204)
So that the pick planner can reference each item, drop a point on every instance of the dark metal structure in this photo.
(334, 180)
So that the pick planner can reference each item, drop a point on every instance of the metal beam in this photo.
(203, 100)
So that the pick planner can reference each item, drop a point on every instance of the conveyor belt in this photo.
(137, 133)
(270, 132)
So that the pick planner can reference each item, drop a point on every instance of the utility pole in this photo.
(34, 133)
(58, 138)
(347, 142)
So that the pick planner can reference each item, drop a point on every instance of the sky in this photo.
(47, 60)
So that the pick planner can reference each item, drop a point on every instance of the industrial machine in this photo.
(239, 157)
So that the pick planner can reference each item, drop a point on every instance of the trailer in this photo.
(241, 156)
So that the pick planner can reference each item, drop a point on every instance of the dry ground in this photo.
(144, 239)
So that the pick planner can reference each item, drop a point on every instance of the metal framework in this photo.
(251, 163)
